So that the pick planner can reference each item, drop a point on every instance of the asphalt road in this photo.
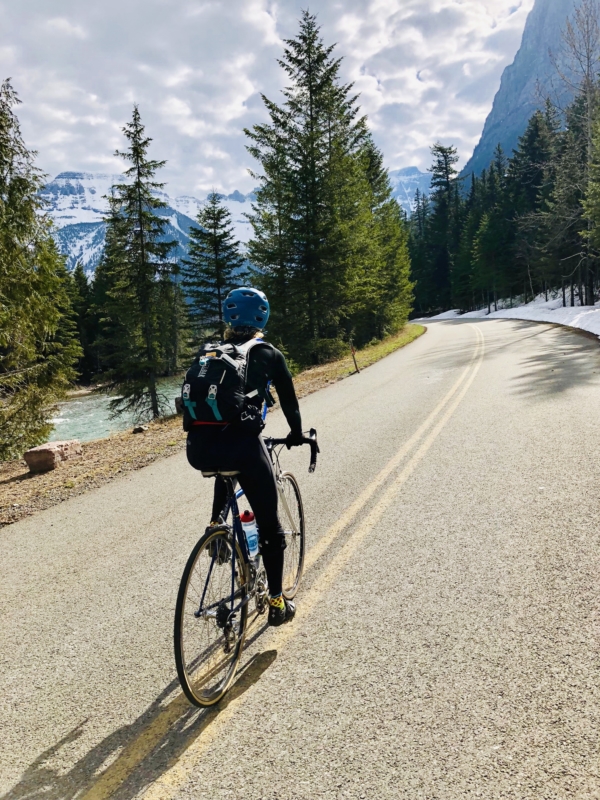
(447, 641)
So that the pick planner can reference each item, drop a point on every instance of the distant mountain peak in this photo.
(405, 182)
(408, 171)
(87, 176)
(76, 202)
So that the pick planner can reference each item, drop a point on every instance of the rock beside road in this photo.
(50, 455)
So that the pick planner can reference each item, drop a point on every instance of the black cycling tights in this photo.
(227, 449)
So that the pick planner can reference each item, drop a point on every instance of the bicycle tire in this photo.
(293, 558)
(203, 681)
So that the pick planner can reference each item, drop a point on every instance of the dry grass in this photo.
(22, 494)
(311, 380)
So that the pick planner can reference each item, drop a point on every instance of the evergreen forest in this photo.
(39, 346)
(529, 225)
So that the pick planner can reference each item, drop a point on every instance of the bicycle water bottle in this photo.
(250, 532)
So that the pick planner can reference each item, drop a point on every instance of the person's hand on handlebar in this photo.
(294, 439)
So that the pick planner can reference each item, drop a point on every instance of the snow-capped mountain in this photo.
(76, 202)
(405, 183)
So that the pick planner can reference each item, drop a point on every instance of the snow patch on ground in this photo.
(587, 318)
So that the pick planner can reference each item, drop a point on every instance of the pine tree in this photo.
(554, 228)
(419, 249)
(38, 340)
(388, 300)
(272, 247)
(591, 203)
(81, 300)
(302, 153)
(136, 259)
(317, 244)
(99, 301)
(444, 222)
(213, 268)
(174, 325)
(463, 274)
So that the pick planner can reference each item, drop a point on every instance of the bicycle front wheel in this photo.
(291, 514)
(210, 617)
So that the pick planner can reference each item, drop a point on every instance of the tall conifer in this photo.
(213, 267)
(136, 258)
(38, 340)
(444, 225)
(317, 240)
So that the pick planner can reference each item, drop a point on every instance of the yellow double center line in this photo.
(176, 776)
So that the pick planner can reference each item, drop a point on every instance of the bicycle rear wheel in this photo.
(291, 514)
(210, 622)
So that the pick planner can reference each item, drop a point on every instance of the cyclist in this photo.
(230, 447)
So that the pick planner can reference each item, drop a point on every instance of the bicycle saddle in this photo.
(223, 472)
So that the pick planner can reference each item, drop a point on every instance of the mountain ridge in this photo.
(76, 202)
(525, 82)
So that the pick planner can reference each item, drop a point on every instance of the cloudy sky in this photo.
(425, 70)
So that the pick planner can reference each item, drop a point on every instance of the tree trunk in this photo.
(531, 284)
(563, 293)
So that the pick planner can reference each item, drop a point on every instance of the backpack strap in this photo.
(246, 348)
(263, 393)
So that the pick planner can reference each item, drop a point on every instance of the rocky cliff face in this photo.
(518, 96)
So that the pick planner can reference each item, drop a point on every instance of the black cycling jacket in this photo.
(267, 363)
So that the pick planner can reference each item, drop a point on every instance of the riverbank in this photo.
(22, 494)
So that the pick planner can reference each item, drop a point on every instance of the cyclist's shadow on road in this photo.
(138, 754)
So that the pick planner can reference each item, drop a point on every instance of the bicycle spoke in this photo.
(208, 637)
(293, 522)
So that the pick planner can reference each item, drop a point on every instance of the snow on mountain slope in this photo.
(76, 197)
(238, 204)
(405, 183)
(76, 202)
(81, 241)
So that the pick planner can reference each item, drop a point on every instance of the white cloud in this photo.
(426, 70)
(62, 25)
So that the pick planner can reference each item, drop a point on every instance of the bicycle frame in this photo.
(231, 505)
(238, 534)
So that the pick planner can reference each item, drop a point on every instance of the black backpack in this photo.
(214, 387)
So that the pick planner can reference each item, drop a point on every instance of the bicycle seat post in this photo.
(230, 484)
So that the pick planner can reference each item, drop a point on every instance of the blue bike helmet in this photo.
(246, 308)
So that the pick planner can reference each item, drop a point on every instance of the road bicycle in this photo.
(220, 580)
